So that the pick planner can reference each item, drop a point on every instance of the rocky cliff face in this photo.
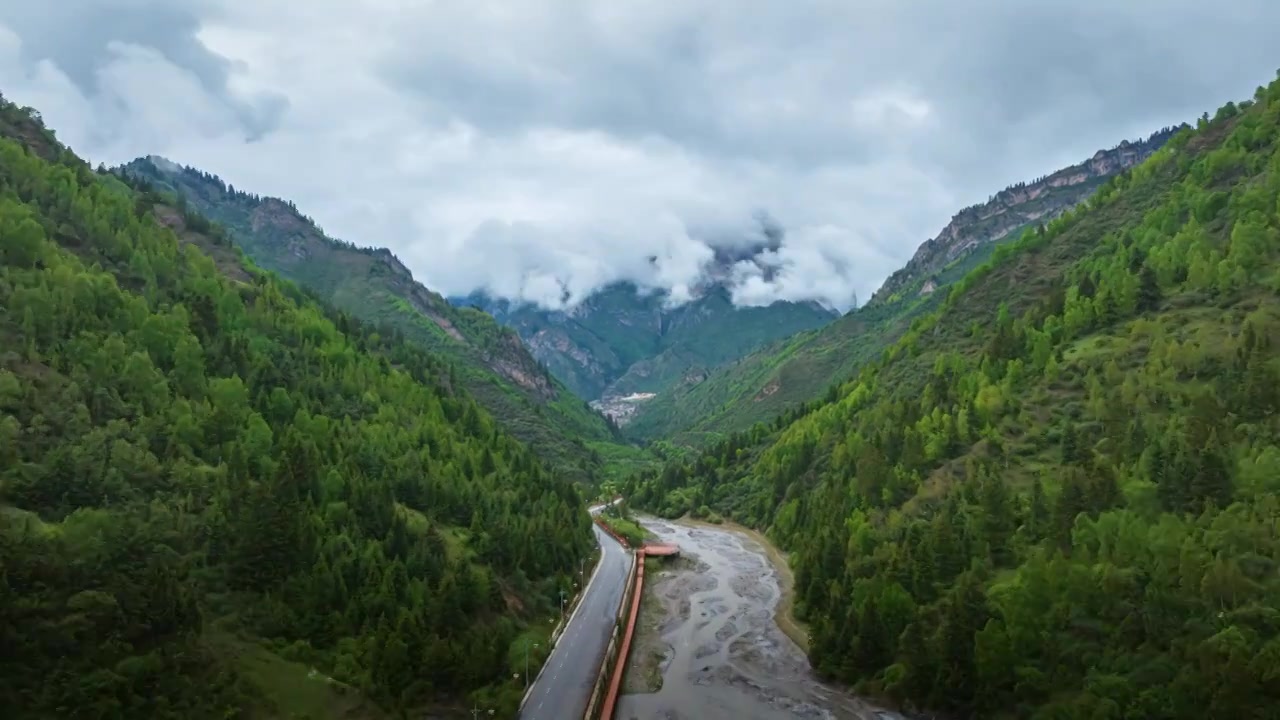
(1013, 209)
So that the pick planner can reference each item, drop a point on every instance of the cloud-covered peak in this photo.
(544, 149)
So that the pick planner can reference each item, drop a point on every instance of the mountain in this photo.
(221, 498)
(622, 342)
(1055, 495)
(798, 369)
(1011, 210)
(373, 285)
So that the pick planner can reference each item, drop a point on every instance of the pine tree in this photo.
(997, 518)
(1071, 502)
(1148, 290)
(1070, 444)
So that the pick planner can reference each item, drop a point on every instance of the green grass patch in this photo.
(293, 690)
(629, 529)
(455, 543)
(536, 640)
(620, 461)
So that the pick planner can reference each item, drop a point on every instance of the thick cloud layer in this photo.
(540, 149)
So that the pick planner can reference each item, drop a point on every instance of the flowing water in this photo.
(722, 654)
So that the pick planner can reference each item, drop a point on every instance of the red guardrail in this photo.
(620, 667)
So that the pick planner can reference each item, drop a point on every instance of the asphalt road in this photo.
(561, 692)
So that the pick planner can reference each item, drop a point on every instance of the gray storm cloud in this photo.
(89, 41)
(540, 150)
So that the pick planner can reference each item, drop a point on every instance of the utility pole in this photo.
(526, 662)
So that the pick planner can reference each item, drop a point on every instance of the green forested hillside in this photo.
(219, 499)
(775, 379)
(622, 340)
(1056, 496)
(374, 286)
(798, 369)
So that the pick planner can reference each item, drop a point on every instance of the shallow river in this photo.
(723, 655)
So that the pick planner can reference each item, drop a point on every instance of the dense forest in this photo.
(199, 463)
(373, 285)
(1056, 496)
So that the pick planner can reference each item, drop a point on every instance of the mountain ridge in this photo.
(798, 369)
(374, 284)
(1016, 206)
(623, 339)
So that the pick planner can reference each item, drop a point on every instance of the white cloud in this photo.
(542, 149)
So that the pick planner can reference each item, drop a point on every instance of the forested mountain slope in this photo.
(373, 285)
(209, 483)
(621, 341)
(1056, 496)
(798, 369)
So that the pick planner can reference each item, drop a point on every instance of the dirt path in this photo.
(708, 645)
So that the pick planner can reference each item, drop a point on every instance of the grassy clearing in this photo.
(619, 461)
(293, 690)
(629, 529)
(455, 543)
(415, 520)
(644, 667)
(536, 641)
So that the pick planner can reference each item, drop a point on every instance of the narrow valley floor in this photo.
(710, 644)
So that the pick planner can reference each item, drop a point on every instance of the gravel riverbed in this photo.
(708, 641)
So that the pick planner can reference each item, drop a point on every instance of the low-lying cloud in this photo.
(540, 150)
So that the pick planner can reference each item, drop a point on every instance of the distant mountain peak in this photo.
(625, 339)
(1014, 208)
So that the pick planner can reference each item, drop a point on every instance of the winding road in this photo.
(562, 688)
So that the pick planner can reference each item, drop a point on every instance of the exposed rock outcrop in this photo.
(1014, 208)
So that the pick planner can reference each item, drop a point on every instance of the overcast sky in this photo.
(541, 147)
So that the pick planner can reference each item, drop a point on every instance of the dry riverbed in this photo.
(708, 644)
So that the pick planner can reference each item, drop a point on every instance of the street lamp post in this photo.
(562, 594)
(526, 662)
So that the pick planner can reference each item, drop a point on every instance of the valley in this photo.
(623, 342)
(990, 516)
(252, 471)
(712, 643)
